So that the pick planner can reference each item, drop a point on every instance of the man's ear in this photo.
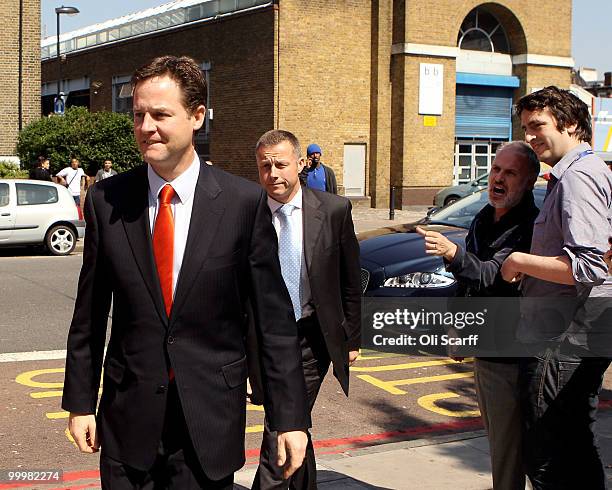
(199, 116)
(300, 164)
(571, 129)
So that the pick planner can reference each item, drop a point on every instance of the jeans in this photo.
(559, 398)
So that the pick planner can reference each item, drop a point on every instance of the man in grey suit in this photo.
(319, 257)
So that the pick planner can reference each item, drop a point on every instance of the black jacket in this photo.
(230, 258)
(478, 269)
(331, 251)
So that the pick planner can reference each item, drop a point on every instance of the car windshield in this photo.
(462, 212)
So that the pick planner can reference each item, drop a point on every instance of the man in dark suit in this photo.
(180, 247)
(319, 257)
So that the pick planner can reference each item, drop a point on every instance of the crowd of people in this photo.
(214, 279)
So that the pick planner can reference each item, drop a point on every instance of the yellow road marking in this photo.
(429, 402)
(254, 428)
(409, 365)
(391, 386)
(27, 378)
(45, 394)
(57, 415)
(606, 146)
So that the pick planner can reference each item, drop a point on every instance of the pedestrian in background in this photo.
(325, 288)
(316, 175)
(72, 177)
(106, 171)
(41, 171)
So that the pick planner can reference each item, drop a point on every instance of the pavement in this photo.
(366, 219)
(457, 461)
(453, 462)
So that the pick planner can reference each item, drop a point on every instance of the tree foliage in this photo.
(10, 170)
(92, 137)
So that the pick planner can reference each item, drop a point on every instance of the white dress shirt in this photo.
(182, 204)
(297, 223)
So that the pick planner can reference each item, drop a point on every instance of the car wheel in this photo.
(450, 200)
(60, 240)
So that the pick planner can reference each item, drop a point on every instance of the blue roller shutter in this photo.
(483, 112)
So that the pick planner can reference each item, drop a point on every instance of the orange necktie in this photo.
(163, 244)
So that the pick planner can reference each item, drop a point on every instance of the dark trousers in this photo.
(315, 362)
(176, 466)
(559, 397)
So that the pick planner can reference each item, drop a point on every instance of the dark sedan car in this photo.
(393, 259)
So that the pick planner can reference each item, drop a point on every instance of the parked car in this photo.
(393, 259)
(451, 194)
(34, 212)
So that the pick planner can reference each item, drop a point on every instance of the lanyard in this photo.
(552, 184)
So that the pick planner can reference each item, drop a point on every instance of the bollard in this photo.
(392, 203)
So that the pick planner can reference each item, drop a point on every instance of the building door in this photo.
(354, 169)
(483, 121)
(473, 159)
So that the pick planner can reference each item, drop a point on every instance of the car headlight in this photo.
(440, 278)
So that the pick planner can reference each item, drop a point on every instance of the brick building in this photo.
(414, 94)
(19, 70)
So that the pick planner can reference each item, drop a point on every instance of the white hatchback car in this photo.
(34, 212)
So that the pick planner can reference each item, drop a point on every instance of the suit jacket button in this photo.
(161, 389)
(171, 339)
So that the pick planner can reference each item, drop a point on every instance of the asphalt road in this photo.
(37, 294)
(393, 397)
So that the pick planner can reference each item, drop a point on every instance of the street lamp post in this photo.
(58, 12)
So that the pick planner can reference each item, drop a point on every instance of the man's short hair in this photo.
(566, 108)
(275, 137)
(184, 71)
(525, 151)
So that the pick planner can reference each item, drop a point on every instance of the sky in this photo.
(590, 23)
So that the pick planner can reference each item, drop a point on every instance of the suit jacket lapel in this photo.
(313, 221)
(135, 218)
(205, 219)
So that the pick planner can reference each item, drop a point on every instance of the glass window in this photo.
(113, 34)
(137, 28)
(245, 4)
(29, 194)
(193, 13)
(125, 31)
(177, 17)
(226, 6)
(102, 36)
(91, 40)
(210, 9)
(122, 97)
(4, 195)
(150, 24)
(476, 40)
(163, 21)
(81, 42)
(481, 31)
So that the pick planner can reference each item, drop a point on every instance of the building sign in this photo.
(431, 88)
(430, 121)
(602, 125)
